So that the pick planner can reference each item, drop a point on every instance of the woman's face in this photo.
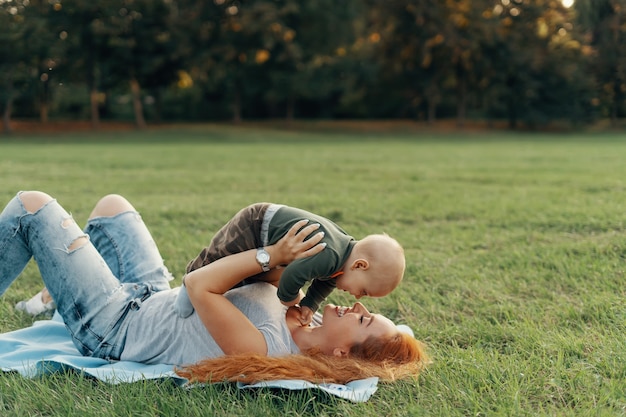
(347, 326)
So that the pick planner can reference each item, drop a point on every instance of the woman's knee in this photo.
(111, 205)
(34, 200)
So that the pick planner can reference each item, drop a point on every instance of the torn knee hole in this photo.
(77, 243)
(67, 222)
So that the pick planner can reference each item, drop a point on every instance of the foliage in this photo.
(29, 53)
(12, 64)
(605, 21)
(530, 62)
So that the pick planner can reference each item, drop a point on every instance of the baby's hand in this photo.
(306, 316)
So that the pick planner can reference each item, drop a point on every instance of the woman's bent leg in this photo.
(91, 300)
(14, 252)
(122, 239)
(118, 232)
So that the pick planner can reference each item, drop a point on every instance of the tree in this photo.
(44, 50)
(308, 45)
(77, 24)
(11, 58)
(537, 72)
(140, 48)
(408, 41)
(605, 23)
(274, 53)
(465, 39)
(27, 55)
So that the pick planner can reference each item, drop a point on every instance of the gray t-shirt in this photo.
(157, 334)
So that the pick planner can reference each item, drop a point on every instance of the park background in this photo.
(513, 63)
(493, 152)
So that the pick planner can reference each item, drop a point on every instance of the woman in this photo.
(112, 290)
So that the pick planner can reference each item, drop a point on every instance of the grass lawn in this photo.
(515, 246)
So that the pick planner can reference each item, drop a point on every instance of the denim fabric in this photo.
(94, 285)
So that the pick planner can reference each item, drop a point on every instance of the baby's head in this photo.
(375, 267)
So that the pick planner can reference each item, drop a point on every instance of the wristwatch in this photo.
(263, 258)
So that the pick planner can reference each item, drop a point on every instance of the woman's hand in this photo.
(295, 245)
(231, 329)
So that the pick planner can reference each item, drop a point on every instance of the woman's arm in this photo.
(229, 327)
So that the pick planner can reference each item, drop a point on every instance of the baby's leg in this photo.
(241, 233)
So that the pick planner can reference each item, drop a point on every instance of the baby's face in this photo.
(361, 283)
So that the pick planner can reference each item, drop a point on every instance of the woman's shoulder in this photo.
(261, 305)
(261, 289)
(256, 298)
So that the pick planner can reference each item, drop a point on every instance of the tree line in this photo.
(526, 62)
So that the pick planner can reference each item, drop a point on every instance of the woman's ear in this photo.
(340, 352)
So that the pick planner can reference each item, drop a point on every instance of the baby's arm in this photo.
(306, 316)
(296, 275)
(317, 292)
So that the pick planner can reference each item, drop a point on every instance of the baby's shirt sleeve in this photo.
(299, 272)
(293, 278)
(317, 293)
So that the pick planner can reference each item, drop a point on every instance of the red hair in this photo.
(389, 359)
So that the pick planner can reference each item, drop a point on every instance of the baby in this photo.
(372, 266)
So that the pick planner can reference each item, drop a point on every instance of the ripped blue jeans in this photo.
(97, 283)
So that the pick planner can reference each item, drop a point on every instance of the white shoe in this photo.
(35, 305)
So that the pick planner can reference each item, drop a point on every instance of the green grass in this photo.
(516, 247)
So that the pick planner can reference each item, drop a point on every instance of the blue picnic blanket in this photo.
(46, 347)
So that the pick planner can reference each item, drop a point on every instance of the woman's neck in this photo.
(304, 337)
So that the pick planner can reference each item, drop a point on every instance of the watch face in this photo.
(263, 257)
